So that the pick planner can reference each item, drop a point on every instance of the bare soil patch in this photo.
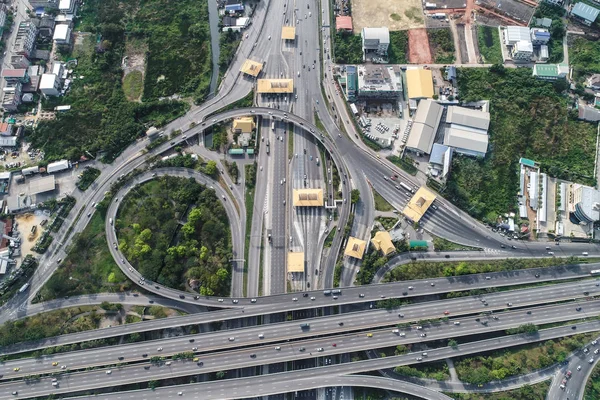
(396, 15)
(134, 63)
(418, 47)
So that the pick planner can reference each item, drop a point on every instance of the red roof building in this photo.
(343, 23)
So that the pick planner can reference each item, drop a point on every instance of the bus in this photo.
(595, 272)
(24, 288)
(405, 186)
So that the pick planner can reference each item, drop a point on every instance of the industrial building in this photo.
(355, 248)
(585, 13)
(379, 81)
(375, 41)
(466, 131)
(8, 141)
(41, 185)
(424, 127)
(515, 34)
(419, 84)
(520, 42)
(550, 72)
(275, 86)
(419, 204)
(440, 161)
(251, 68)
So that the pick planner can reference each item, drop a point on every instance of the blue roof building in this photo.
(585, 13)
(233, 8)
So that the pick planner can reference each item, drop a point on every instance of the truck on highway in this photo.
(405, 186)
(24, 288)
(268, 147)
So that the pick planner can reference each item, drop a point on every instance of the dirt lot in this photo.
(396, 15)
(418, 47)
(134, 60)
(25, 223)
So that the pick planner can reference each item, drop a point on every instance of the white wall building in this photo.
(62, 34)
(375, 40)
(522, 51)
(50, 85)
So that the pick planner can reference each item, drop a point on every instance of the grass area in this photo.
(53, 323)
(517, 361)
(291, 142)
(440, 244)
(488, 39)
(434, 370)
(398, 47)
(381, 204)
(414, 13)
(441, 43)
(406, 163)
(133, 84)
(423, 270)
(174, 230)
(395, 17)
(88, 267)
(387, 222)
(102, 122)
(529, 118)
(319, 123)
(329, 239)
(528, 392)
(347, 48)
(250, 171)
(87, 177)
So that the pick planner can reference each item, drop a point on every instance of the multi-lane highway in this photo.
(281, 303)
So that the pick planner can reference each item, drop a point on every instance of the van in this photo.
(336, 291)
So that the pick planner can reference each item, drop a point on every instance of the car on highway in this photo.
(446, 312)
(361, 295)
(159, 349)
(253, 301)
(278, 348)
(54, 364)
(15, 393)
(252, 355)
(295, 299)
(301, 349)
(312, 297)
(419, 358)
(369, 335)
(108, 372)
(235, 301)
(261, 336)
(423, 335)
(411, 287)
(595, 342)
(456, 322)
(320, 349)
(579, 368)
(568, 374)
(231, 339)
(16, 369)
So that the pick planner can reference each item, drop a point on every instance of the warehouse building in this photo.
(515, 34)
(550, 72)
(58, 166)
(585, 13)
(424, 127)
(440, 161)
(419, 85)
(379, 81)
(466, 131)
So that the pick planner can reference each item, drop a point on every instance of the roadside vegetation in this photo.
(347, 48)
(592, 386)
(387, 222)
(87, 177)
(529, 118)
(88, 267)
(228, 44)
(434, 370)
(406, 163)
(440, 244)
(528, 392)
(398, 48)
(518, 361)
(441, 43)
(381, 204)
(174, 231)
(423, 270)
(488, 39)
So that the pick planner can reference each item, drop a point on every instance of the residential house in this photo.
(50, 85)
(593, 82)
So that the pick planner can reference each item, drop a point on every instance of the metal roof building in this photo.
(550, 71)
(8, 141)
(343, 23)
(514, 34)
(425, 125)
(419, 83)
(41, 185)
(58, 166)
(468, 117)
(288, 33)
(467, 130)
(587, 204)
(586, 13)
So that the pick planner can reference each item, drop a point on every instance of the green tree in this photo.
(355, 196)
(211, 168)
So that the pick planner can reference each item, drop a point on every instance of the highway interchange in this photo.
(359, 169)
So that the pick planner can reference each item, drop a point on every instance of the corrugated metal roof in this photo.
(382, 34)
(467, 140)
(468, 117)
(585, 11)
(517, 33)
(426, 122)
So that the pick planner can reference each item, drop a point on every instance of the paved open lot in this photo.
(396, 15)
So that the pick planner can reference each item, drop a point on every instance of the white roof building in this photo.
(514, 34)
(8, 141)
(425, 125)
(58, 166)
(62, 34)
(375, 40)
(50, 85)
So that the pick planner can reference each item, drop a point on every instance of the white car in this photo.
(108, 372)
(168, 363)
(159, 349)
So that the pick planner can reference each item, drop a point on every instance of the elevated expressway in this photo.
(83, 381)
(283, 303)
